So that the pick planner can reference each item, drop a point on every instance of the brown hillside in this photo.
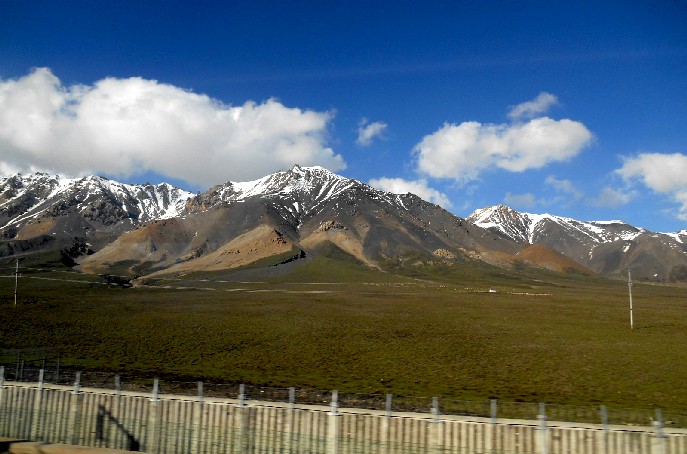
(159, 243)
(349, 241)
(543, 257)
(261, 242)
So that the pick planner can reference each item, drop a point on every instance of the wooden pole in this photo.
(629, 288)
(16, 283)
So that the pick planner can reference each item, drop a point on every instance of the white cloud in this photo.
(565, 186)
(612, 198)
(368, 132)
(662, 173)
(417, 187)
(124, 127)
(533, 108)
(463, 151)
(520, 200)
(681, 198)
(6, 169)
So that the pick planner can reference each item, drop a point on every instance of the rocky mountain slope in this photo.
(41, 211)
(25, 199)
(607, 247)
(105, 226)
(292, 214)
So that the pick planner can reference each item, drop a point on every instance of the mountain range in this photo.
(605, 247)
(102, 226)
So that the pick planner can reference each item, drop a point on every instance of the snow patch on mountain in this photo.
(29, 197)
(302, 190)
(680, 237)
(530, 227)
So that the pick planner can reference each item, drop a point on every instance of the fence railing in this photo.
(111, 411)
(30, 370)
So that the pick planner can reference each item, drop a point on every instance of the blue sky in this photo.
(573, 108)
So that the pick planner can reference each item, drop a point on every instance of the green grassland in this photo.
(329, 323)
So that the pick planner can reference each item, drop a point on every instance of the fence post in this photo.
(603, 440)
(435, 427)
(77, 383)
(119, 407)
(658, 444)
(75, 411)
(289, 426)
(243, 415)
(2, 397)
(154, 419)
(242, 395)
(386, 424)
(57, 372)
(333, 429)
(37, 404)
(198, 421)
(491, 430)
(543, 429)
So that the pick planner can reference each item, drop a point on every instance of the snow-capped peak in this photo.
(528, 227)
(311, 185)
(30, 197)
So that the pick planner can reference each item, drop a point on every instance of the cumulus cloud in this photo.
(612, 198)
(417, 187)
(461, 152)
(124, 127)
(368, 132)
(533, 108)
(662, 173)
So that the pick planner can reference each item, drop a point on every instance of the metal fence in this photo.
(29, 370)
(131, 413)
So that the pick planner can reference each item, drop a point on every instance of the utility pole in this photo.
(16, 283)
(629, 289)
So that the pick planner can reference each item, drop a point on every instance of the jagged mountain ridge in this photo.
(531, 228)
(27, 198)
(607, 247)
(297, 210)
(40, 212)
(159, 229)
(309, 187)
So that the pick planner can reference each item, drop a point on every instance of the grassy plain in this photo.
(330, 324)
